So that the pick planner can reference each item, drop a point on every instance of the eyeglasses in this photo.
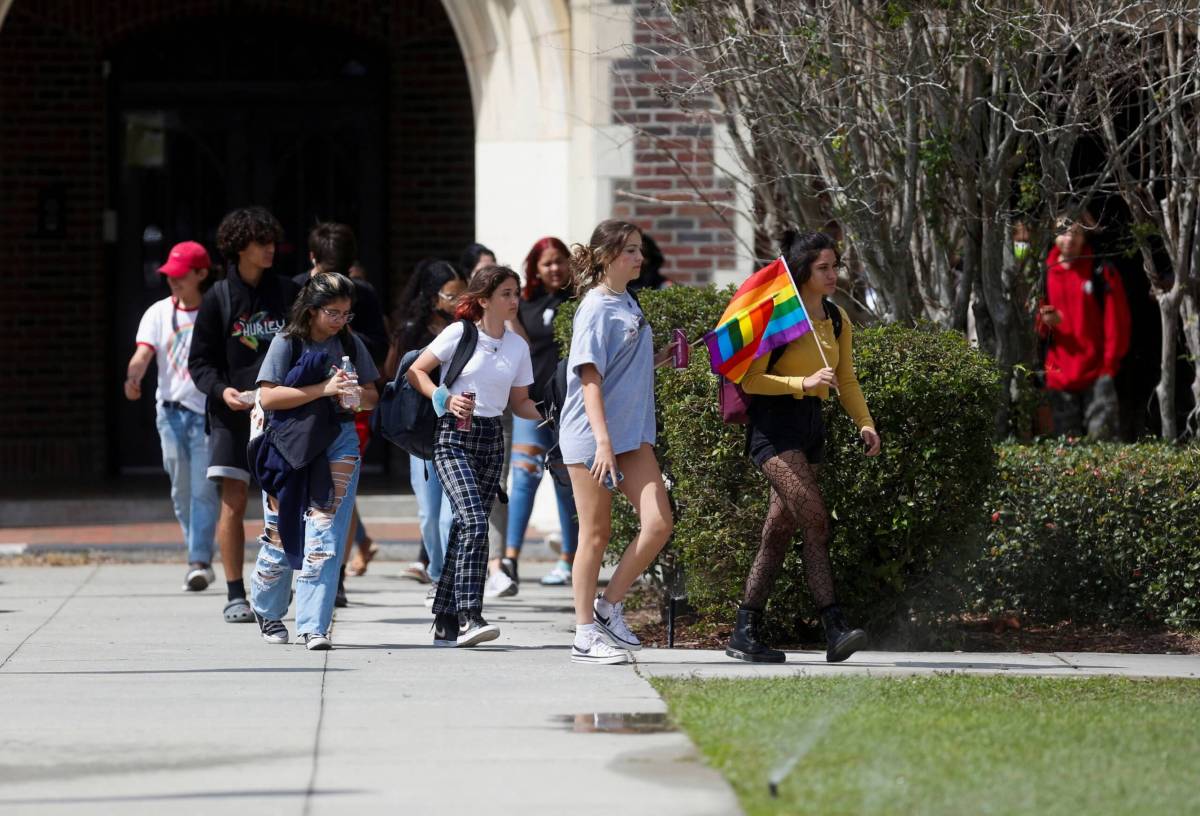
(450, 298)
(337, 316)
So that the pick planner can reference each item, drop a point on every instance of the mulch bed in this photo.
(969, 634)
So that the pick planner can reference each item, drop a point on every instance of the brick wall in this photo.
(676, 194)
(59, 381)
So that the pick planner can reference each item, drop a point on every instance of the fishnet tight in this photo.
(795, 502)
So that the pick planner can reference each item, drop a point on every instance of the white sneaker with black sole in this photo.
(595, 649)
(614, 627)
(473, 629)
(198, 578)
(317, 642)
(273, 631)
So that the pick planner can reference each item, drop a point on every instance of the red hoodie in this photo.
(1087, 344)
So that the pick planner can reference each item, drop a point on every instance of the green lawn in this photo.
(949, 744)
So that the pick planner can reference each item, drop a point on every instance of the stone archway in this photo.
(546, 147)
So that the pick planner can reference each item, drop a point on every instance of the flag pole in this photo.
(820, 350)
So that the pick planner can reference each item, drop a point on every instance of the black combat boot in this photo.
(744, 643)
(840, 640)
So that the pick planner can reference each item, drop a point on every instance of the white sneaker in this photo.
(499, 585)
(317, 642)
(554, 542)
(559, 576)
(429, 596)
(198, 578)
(615, 628)
(595, 649)
(417, 572)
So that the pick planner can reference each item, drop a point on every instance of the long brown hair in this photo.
(588, 262)
(483, 284)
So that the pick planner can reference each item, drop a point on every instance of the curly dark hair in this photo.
(418, 301)
(244, 226)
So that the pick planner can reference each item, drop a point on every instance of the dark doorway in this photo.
(224, 112)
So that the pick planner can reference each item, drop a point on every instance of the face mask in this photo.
(444, 313)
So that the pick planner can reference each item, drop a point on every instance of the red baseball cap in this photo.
(184, 258)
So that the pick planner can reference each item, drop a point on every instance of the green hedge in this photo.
(899, 518)
(1095, 533)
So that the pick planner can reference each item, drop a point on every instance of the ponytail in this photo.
(588, 262)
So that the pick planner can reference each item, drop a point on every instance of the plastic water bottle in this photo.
(351, 395)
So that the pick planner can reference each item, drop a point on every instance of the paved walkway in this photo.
(122, 693)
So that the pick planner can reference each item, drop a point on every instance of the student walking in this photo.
(786, 441)
(607, 434)
(165, 336)
(468, 454)
(302, 380)
(333, 248)
(429, 302)
(237, 320)
(547, 287)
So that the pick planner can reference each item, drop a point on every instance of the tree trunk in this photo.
(1168, 307)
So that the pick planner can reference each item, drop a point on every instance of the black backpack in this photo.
(405, 416)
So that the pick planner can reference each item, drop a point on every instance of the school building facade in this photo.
(129, 125)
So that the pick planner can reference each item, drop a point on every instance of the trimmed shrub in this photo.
(1094, 533)
(897, 517)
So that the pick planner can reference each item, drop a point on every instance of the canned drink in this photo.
(680, 349)
(464, 423)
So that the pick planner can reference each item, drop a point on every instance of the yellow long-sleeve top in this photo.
(801, 359)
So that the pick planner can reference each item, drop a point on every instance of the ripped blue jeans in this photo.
(324, 538)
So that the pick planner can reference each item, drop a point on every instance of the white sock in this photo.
(584, 634)
(603, 606)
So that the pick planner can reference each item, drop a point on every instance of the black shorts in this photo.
(783, 423)
(228, 435)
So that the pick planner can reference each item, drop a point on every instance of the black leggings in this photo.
(795, 503)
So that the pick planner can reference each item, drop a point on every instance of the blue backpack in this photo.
(405, 416)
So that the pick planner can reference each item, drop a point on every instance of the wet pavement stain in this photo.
(617, 723)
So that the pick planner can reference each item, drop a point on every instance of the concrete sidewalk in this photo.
(124, 694)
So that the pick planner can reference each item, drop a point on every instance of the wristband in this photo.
(440, 398)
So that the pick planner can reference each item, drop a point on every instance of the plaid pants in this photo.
(469, 466)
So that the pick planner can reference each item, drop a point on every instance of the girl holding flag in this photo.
(786, 434)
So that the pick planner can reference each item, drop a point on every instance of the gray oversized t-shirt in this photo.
(610, 332)
(278, 360)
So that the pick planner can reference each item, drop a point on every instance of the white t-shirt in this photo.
(493, 370)
(167, 329)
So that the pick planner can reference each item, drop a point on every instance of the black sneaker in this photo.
(509, 565)
(273, 631)
(445, 629)
(473, 629)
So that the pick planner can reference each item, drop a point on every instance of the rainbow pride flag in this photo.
(765, 313)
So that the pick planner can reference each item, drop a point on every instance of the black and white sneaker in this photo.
(273, 631)
(445, 629)
(317, 642)
(473, 629)
(509, 565)
(593, 648)
(614, 627)
(199, 576)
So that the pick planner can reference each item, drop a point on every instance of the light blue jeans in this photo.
(527, 472)
(324, 538)
(194, 495)
(434, 512)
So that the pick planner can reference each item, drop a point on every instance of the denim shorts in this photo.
(784, 423)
